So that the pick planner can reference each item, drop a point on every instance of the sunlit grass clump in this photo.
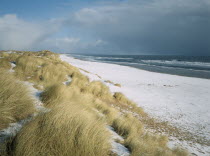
(142, 143)
(69, 129)
(151, 145)
(15, 101)
(4, 64)
(98, 89)
(128, 125)
(40, 70)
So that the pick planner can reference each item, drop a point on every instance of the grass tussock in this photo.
(98, 89)
(141, 143)
(118, 85)
(110, 113)
(79, 80)
(11, 56)
(4, 64)
(128, 125)
(115, 84)
(15, 101)
(28, 64)
(68, 130)
(180, 152)
(152, 145)
(124, 103)
(40, 70)
(122, 99)
(59, 92)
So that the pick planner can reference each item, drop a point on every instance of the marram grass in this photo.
(67, 130)
(4, 64)
(15, 101)
(79, 112)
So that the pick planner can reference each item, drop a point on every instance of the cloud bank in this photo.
(119, 27)
(18, 34)
(159, 26)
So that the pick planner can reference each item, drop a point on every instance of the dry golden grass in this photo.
(115, 84)
(108, 81)
(42, 68)
(60, 92)
(118, 85)
(15, 101)
(110, 113)
(180, 152)
(127, 125)
(10, 55)
(57, 92)
(123, 102)
(42, 71)
(79, 111)
(141, 143)
(98, 89)
(122, 99)
(151, 145)
(79, 80)
(4, 64)
(69, 129)
(3, 54)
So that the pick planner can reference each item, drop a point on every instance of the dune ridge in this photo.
(79, 112)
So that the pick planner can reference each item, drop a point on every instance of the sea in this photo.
(191, 66)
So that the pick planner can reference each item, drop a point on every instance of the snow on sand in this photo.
(183, 101)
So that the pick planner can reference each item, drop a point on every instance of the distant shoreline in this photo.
(166, 70)
(197, 73)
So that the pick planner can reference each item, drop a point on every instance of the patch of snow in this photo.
(13, 65)
(10, 52)
(13, 129)
(36, 95)
(95, 77)
(99, 113)
(115, 136)
(182, 101)
(194, 148)
(69, 79)
(117, 148)
(91, 76)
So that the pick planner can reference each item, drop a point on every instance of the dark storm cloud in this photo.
(151, 27)
(116, 27)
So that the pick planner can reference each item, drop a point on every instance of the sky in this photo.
(144, 27)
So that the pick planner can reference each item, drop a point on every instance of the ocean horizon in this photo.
(190, 66)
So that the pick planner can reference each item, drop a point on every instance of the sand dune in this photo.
(183, 101)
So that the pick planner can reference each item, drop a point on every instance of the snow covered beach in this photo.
(182, 101)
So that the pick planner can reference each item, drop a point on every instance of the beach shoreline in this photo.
(173, 65)
(179, 100)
